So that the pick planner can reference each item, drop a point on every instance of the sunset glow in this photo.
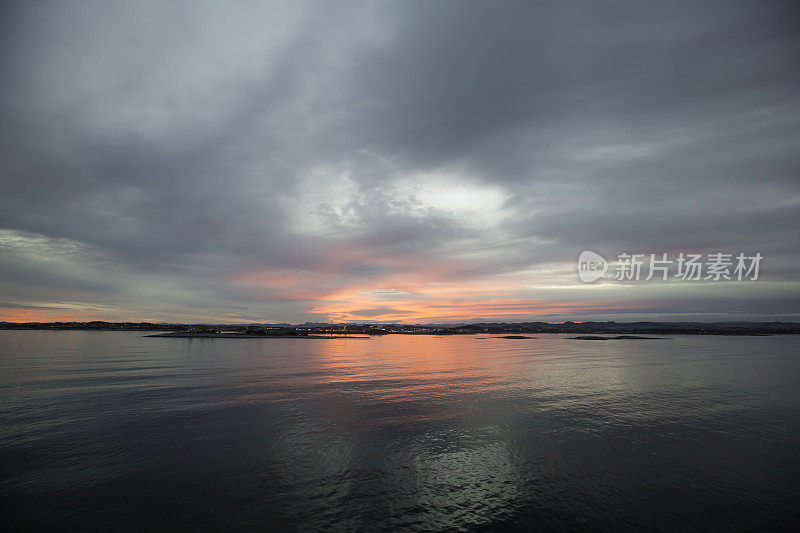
(382, 163)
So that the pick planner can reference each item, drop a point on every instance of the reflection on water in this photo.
(108, 430)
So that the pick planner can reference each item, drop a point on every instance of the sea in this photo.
(115, 431)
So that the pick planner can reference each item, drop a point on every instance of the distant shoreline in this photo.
(189, 335)
(326, 330)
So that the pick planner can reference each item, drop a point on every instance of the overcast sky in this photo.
(398, 161)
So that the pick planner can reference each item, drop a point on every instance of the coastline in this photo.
(189, 335)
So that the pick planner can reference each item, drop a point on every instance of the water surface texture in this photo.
(112, 430)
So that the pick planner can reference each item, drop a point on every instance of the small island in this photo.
(618, 337)
(245, 335)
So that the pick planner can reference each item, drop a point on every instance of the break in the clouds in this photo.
(403, 161)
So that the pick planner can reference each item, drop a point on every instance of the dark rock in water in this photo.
(618, 337)
(515, 337)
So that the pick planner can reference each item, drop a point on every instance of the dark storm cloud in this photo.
(184, 145)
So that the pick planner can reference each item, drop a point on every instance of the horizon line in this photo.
(367, 323)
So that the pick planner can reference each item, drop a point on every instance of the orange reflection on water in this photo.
(411, 367)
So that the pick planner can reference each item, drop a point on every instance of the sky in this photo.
(404, 161)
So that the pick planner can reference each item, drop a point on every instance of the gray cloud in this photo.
(291, 160)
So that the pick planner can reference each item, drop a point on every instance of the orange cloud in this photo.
(410, 295)
(45, 314)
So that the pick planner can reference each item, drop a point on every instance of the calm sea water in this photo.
(114, 431)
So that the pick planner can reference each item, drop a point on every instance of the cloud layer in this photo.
(401, 161)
